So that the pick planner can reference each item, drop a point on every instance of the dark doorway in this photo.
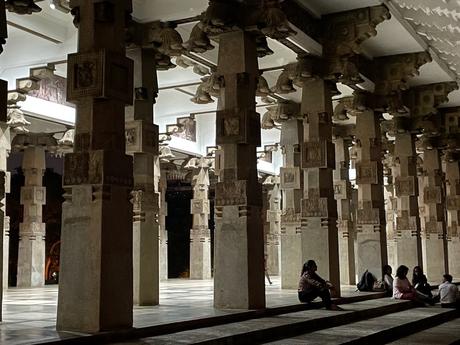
(178, 224)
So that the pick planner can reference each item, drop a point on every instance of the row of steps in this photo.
(366, 319)
(266, 329)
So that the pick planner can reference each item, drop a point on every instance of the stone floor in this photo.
(29, 315)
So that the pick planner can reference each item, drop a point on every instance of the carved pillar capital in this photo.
(344, 32)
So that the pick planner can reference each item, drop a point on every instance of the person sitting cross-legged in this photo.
(448, 293)
(311, 285)
(402, 288)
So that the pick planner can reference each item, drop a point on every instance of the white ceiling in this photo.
(24, 50)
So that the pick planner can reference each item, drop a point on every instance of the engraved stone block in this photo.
(433, 227)
(199, 206)
(405, 186)
(231, 193)
(33, 195)
(238, 126)
(432, 195)
(141, 137)
(453, 203)
(290, 216)
(367, 215)
(98, 167)
(366, 172)
(318, 154)
(314, 207)
(406, 223)
(290, 178)
(273, 216)
(340, 190)
(7, 182)
(100, 74)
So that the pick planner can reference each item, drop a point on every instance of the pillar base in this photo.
(454, 257)
(31, 256)
(146, 288)
(200, 258)
(347, 261)
(368, 253)
(95, 283)
(406, 250)
(273, 259)
(239, 252)
(291, 256)
(433, 259)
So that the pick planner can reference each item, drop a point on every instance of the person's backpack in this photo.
(366, 283)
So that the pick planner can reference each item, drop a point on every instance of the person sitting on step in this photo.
(388, 279)
(420, 282)
(402, 288)
(311, 285)
(448, 293)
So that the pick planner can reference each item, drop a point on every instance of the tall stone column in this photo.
(139, 126)
(390, 209)
(96, 277)
(163, 237)
(371, 248)
(292, 188)
(319, 208)
(407, 240)
(434, 243)
(31, 254)
(342, 193)
(452, 170)
(239, 242)
(200, 235)
(274, 233)
(5, 147)
(4, 243)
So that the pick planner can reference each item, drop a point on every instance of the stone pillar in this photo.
(139, 124)
(342, 193)
(453, 215)
(371, 247)
(274, 233)
(31, 254)
(292, 188)
(239, 243)
(390, 210)
(200, 235)
(407, 241)
(4, 243)
(5, 147)
(319, 208)
(96, 277)
(163, 237)
(434, 232)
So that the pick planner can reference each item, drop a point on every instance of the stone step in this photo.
(444, 334)
(379, 330)
(161, 329)
(265, 329)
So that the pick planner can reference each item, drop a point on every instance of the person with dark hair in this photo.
(311, 285)
(387, 279)
(402, 288)
(420, 282)
(448, 293)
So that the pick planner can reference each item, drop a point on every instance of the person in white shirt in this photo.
(448, 293)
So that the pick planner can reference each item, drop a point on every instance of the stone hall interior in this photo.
(168, 166)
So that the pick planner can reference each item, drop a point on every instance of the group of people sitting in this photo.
(311, 286)
(420, 290)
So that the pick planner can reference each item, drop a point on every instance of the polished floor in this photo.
(29, 315)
